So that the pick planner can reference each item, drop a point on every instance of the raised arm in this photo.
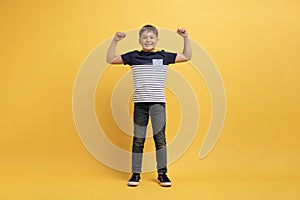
(187, 50)
(111, 56)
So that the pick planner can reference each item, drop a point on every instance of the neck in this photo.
(146, 50)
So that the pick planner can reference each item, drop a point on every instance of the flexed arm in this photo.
(187, 50)
(111, 56)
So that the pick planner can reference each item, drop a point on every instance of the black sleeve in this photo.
(169, 58)
(128, 57)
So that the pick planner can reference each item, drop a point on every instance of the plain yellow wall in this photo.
(255, 45)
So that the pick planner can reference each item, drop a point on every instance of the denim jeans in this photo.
(157, 112)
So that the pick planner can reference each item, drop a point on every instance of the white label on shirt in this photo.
(157, 61)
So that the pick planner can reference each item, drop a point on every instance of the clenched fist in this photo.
(182, 32)
(119, 36)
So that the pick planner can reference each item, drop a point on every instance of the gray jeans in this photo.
(157, 112)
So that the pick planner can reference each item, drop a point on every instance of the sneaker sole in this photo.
(133, 184)
(168, 184)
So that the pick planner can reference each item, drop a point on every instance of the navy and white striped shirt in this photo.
(149, 71)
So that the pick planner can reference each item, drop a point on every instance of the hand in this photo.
(182, 32)
(119, 36)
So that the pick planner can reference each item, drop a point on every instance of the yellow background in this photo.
(255, 45)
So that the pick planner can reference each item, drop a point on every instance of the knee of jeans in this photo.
(159, 140)
(139, 142)
(138, 145)
(159, 144)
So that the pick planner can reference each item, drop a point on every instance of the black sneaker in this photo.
(163, 180)
(134, 180)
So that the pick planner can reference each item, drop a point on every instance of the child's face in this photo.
(148, 41)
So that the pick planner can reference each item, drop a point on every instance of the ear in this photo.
(139, 40)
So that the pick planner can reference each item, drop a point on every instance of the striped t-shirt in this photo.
(149, 71)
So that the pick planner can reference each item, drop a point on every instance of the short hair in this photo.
(148, 28)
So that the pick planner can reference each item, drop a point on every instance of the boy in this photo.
(149, 69)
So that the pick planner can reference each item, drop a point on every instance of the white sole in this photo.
(133, 183)
(168, 184)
